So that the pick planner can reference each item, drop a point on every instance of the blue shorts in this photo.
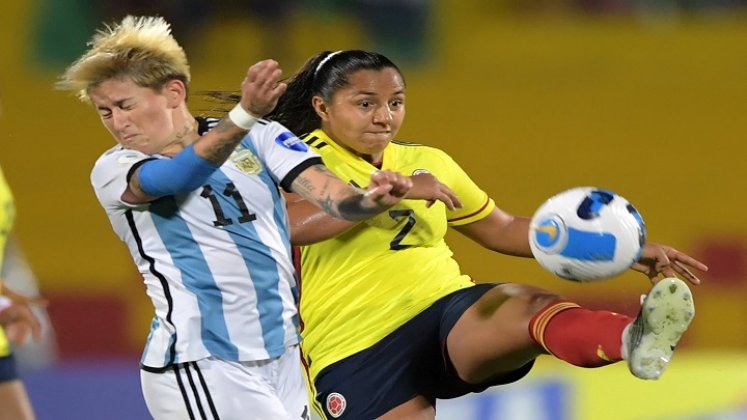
(412, 360)
(8, 368)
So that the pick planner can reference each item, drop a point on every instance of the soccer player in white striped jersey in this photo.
(205, 222)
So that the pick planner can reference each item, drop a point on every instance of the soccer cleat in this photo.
(648, 342)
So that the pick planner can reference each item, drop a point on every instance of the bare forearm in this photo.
(500, 232)
(187, 169)
(309, 224)
(218, 144)
(319, 186)
(515, 238)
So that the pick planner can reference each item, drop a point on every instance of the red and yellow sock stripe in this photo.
(539, 322)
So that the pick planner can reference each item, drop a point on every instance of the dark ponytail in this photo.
(294, 108)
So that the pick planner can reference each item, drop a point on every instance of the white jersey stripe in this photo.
(281, 221)
(269, 303)
(262, 268)
(170, 355)
(196, 276)
(153, 327)
(269, 306)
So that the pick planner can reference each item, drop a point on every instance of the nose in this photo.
(119, 119)
(383, 115)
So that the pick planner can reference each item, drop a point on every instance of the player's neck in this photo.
(183, 137)
(376, 161)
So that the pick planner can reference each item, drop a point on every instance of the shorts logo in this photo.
(336, 404)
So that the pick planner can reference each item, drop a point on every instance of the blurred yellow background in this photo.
(530, 98)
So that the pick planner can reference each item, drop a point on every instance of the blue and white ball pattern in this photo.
(586, 234)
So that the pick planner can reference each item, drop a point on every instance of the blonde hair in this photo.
(139, 48)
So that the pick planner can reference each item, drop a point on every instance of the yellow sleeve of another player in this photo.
(7, 213)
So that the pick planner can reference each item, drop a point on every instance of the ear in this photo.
(320, 107)
(175, 92)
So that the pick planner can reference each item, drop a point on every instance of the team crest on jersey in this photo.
(290, 141)
(336, 404)
(420, 171)
(245, 160)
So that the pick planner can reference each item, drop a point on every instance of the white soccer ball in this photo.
(587, 233)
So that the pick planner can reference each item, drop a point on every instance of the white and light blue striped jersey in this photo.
(217, 261)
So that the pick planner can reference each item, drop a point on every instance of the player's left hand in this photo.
(425, 186)
(657, 260)
(17, 318)
(386, 189)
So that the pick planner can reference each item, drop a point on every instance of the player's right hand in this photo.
(386, 189)
(262, 88)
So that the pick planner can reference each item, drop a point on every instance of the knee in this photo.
(531, 298)
(537, 301)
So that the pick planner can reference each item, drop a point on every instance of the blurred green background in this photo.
(531, 97)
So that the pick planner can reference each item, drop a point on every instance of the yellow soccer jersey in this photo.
(362, 285)
(7, 214)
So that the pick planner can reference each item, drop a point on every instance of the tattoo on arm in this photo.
(351, 208)
(317, 190)
(323, 191)
(220, 150)
(303, 186)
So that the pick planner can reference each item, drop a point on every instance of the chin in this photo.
(378, 141)
(376, 148)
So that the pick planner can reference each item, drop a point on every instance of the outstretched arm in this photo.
(500, 232)
(508, 234)
(321, 187)
(310, 224)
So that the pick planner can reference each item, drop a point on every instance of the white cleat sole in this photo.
(665, 315)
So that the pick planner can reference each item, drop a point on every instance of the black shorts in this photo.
(410, 361)
(8, 368)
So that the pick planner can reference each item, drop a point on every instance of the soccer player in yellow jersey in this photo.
(389, 322)
(17, 318)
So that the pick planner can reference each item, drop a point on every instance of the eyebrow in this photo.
(370, 93)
